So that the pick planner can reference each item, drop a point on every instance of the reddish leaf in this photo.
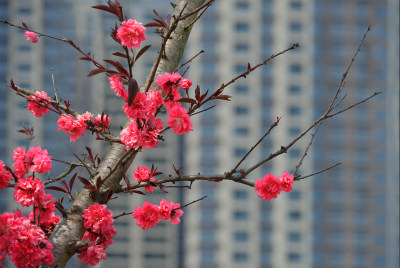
(128, 183)
(86, 58)
(197, 94)
(25, 26)
(99, 183)
(223, 97)
(67, 104)
(110, 193)
(13, 85)
(96, 71)
(162, 21)
(90, 154)
(84, 181)
(187, 100)
(71, 182)
(119, 67)
(56, 188)
(203, 96)
(90, 187)
(153, 24)
(142, 51)
(136, 192)
(133, 89)
(105, 8)
(248, 66)
(119, 54)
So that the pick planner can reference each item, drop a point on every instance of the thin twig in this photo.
(188, 204)
(64, 174)
(190, 60)
(316, 173)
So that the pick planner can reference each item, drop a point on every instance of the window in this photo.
(24, 67)
(24, 11)
(295, 5)
(242, 5)
(241, 47)
(208, 235)
(294, 236)
(241, 110)
(295, 26)
(293, 257)
(241, 27)
(240, 152)
(207, 214)
(240, 68)
(240, 194)
(24, 48)
(240, 257)
(239, 131)
(240, 236)
(240, 215)
(294, 215)
(207, 256)
(294, 110)
(295, 68)
(294, 153)
(294, 195)
(241, 89)
(294, 89)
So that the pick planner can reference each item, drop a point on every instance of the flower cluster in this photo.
(31, 36)
(149, 215)
(144, 174)
(98, 220)
(25, 243)
(5, 176)
(76, 128)
(131, 33)
(35, 160)
(102, 121)
(37, 103)
(270, 186)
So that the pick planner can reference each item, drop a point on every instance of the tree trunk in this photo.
(67, 236)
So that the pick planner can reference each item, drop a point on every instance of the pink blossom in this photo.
(118, 87)
(179, 120)
(40, 159)
(138, 108)
(5, 176)
(146, 137)
(28, 191)
(147, 216)
(34, 106)
(97, 217)
(76, 128)
(170, 211)
(21, 165)
(150, 188)
(286, 181)
(45, 206)
(93, 254)
(31, 36)
(268, 187)
(102, 121)
(168, 81)
(185, 83)
(141, 174)
(155, 100)
(131, 33)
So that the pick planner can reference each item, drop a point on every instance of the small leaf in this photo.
(119, 67)
(96, 71)
(142, 51)
(119, 54)
(25, 26)
(153, 24)
(56, 188)
(84, 181)
(197, 94)
(90, 187)
(223, 97)
(136, 192)
(187, 100)
(71, 182)
(133, 89)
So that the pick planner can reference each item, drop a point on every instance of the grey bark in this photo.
(66, 237)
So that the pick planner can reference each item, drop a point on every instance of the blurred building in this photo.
(346, 217)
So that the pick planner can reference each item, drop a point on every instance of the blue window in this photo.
(294, 215)
(242, 5)
(207, 256)
(240, 152)
(240, 236)
(24, 67)
(208, 151)
(240, 215)
(241, 110)
(293, 257)
(294, 131)
(240, 256)
(294, 110)
(294, 195)
(296, 5)
(208, 130)
(208, 235)
(207, 214)
(295, 68)
(295, 26)
(242, 89)
(240, 131)
(294, 153)
(242, 27)
(240, 68)
(294, 89)
(241, 47)
(294, 236)
(240, 194)
(24, 11)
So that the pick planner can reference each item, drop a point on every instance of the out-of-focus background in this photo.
(346, 217)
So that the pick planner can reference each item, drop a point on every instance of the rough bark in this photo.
(66, 237)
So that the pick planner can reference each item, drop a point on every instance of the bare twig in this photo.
(316, 173)
(190, 60)
(64, 174)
